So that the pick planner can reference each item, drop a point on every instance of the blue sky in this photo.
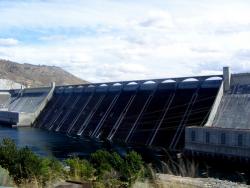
(109, 40)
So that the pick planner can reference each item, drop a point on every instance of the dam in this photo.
(134, 112)
(195, 115)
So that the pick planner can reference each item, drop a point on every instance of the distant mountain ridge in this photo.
(30, 75)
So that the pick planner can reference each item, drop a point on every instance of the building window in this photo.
(240, 140)
(223, 138)
(193, 136)
(207, 137)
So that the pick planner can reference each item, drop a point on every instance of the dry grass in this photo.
(5, 179)
(181, 168)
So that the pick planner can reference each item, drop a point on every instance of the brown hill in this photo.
(36, 75)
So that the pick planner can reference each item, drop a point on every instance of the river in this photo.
(45, 143)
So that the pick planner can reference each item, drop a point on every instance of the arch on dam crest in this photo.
(213, 78)
(168, 81)
(190, 80)
(132, 83)
(149, 82)
(103, 85)
(117, 84)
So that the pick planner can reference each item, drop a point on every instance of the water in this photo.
(47, 143)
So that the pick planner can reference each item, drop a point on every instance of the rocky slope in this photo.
(36, 75)
(171, 181)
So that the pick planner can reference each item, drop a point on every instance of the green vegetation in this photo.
(112, 170)
(24, 166)
(79, 169)
(104, 169)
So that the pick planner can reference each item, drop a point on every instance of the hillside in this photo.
(36, 75)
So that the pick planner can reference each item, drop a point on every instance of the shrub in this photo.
(101, 161)
(80, 169)
(111, 167)
(116, 161)
(24, 166)
(21, 164)
(27, 165)
(133, 167)
(51, 170)
(8, 154)
(108, 169)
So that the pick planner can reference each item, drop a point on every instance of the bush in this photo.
(80, 169)
(101, 160)
(110, 166)
(107, 169)
(8, 155)
(51, 170)
(116, 161)
(27, 165)
(133, 167)
(23, 165)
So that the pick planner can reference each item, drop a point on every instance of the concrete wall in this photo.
(241, 78)
(232, 107)
(9, 117)
(215, 145)
(26, 119)
(233, 112)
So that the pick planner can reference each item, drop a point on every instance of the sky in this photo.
(112, 40)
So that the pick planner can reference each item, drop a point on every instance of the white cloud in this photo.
(155, 20)
(53, 38)
(8, 42)
(117, 40)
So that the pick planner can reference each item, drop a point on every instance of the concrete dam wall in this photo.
(151, 113)
(234, 112)
(24, 105)
(234, 108)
